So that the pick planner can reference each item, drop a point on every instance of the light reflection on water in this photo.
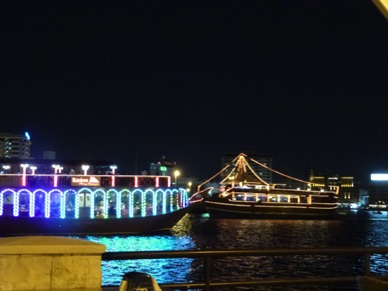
(161, 269)
(202, 233)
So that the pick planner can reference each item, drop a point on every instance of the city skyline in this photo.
(70, 164)
(131, 82)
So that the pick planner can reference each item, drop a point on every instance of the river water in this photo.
(202, 232)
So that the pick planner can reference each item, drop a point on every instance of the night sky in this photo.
(303, 81)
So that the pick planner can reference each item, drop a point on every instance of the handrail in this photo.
(207, 255)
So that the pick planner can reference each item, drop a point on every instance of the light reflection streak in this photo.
(161, 269)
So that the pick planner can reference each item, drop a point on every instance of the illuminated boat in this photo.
(60, 204)
(243, 194)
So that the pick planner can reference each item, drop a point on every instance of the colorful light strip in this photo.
(71, 201)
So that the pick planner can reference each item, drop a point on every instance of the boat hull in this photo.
(227, 209)
(12, 226)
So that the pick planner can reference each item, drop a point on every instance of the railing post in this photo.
(206, 271)
(366, 264)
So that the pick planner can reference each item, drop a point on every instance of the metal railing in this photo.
(208, 255)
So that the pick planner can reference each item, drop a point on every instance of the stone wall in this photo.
(49, 263)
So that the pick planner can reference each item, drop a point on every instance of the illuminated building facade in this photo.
(264, 174)
(15, 146)
(378, 189)
(348, 190)
(163, 167)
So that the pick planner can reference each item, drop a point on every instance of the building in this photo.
(15, 146)
(263, 173)
(378, 189)
(163, 167)
(348, 191)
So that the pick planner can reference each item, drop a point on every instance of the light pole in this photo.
(85, 168)
(189, 184)
(57, 169)
(176, 174)
(24, 167)
(6, 168)
(113, 167)
(33, 169)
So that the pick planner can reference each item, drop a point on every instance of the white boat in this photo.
(61, 204)
(243, 194)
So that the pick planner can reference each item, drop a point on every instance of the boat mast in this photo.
(241, 166)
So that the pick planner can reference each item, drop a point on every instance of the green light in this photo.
(163, 168)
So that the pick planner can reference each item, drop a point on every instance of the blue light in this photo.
(160, 269)
(27, 135)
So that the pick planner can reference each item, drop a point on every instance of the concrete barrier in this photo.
(50, 263)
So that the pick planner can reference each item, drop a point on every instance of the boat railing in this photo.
(207, 256)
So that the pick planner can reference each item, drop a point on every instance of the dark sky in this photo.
(303, 81)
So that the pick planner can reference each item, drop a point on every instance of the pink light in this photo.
(168, 181)
(113, 168)
(24, 167)
(157, 182)
(55, 181)
(136, 181)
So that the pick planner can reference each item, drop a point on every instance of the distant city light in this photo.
(379, 177)
(353, 205)
(176, 174)
(27, 135)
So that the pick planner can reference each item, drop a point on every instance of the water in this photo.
(201, 232)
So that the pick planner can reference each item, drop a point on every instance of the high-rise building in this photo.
(378, 189)
(15, 145)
